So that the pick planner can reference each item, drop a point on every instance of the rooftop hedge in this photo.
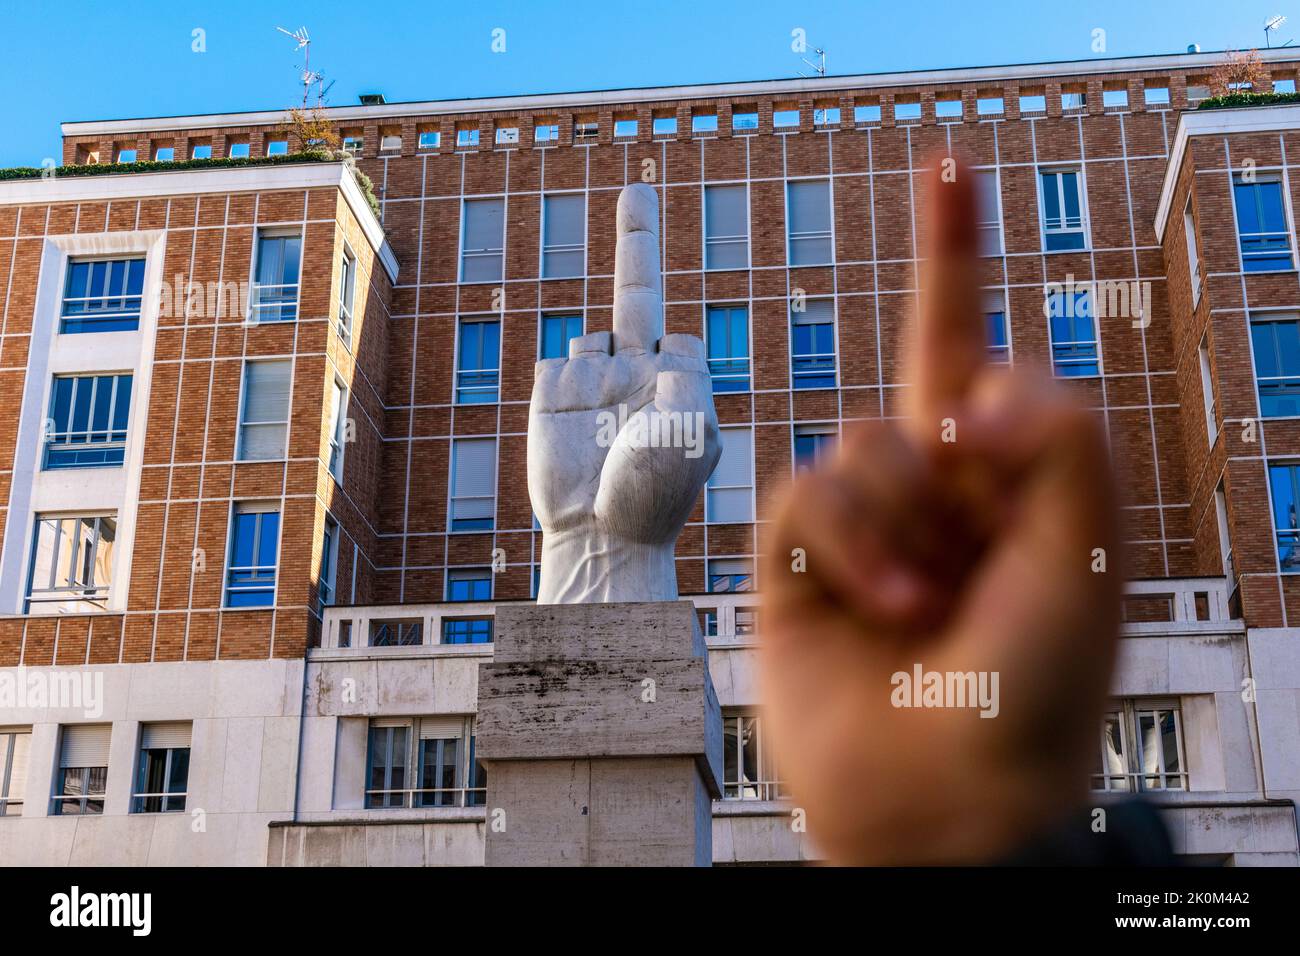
(154, 166)
(1234, 100)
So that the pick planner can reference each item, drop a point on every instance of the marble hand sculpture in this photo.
(622, 435)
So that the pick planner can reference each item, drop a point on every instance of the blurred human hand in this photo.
(979, 534)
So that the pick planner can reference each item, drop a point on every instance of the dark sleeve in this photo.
(1134, 836)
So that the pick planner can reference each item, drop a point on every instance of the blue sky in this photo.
(96, 59)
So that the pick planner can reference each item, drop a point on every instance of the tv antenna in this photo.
(819, 66)
(309, 76)
(1271, 25)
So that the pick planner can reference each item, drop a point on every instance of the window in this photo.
(564, 236)
(102, 295)
(264, 412)
(1284, 480)
(730, 575)
(744, 120)
(748, 767)
(812, 443)
(1225, 539)
(546, 133)
(809, 218)
(1033, 103)
(586, 131)
(83, 770)
(238, 151)
(164, 768)
(1074, 337)
(866, 113)
(1193, 259)
(996, 336)
(440, 750)
(277, 147)
(1157, 95)
(473, 484)
(126, 155)
(478, 361)
(1141, 748)
(728, 345)
(254, 546)
(1262, 224)
(466, 138)
(329, 562)
(88, 421)
(429, 139)
(1284, 86)
(201, 151)
(1061, 193)
(1275, 340)
(948, 108)
(275, 278)
(812, 344)
(1115, 99)
(482, 240)
(988, 202)
(468, 584)
(664, 126)
(556, 332)
(1207, 390)
(785, 119)
(164, 154)
(1197, 89)
(353, 144)
(15, 751)
(625, 129)
(72, 563)
(347, 294)
(704, 123)
(507, 135)
(1073, 100)
(826, 116)
(989, 105)
(907, 111)
(726, 227)
(729, 497)
(392, 142)
(338, 428)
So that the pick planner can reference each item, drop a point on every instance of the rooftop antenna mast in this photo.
(1270, 25)
(308, 76)
(819, 66)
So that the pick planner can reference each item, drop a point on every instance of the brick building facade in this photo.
(789, 244)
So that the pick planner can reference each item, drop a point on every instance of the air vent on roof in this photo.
(372, 99)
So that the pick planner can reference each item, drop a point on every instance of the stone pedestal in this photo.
(601, 735)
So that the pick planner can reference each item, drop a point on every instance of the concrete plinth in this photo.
(602, 737)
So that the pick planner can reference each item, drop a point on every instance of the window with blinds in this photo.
(726, 227)
(809, 222)
(989, 212)
(564, 235)
(729, 495)
(482, 240)
(264, 417)
(163, 772)
(274, 296)
(423, 762)
(473, 484)
(812, 344)
(83, 770)
(338, 428)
